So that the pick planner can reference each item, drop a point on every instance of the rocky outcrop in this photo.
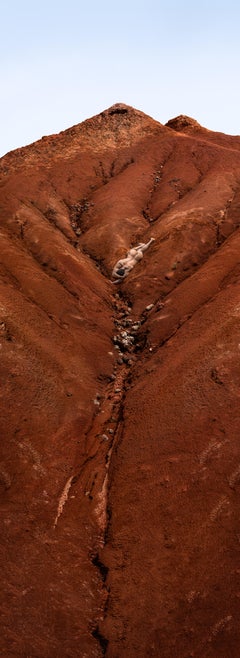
(120, 457)
(182, 122)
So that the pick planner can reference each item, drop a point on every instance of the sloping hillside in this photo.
(120, 457)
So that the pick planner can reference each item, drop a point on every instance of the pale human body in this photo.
(125, 265)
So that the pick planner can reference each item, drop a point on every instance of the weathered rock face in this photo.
(120, 457)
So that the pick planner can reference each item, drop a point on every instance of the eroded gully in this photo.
(103, 439)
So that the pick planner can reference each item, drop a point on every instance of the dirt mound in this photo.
(182, 122)
(120, 455)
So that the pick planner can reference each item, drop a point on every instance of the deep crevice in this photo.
(103, 569)
(101, 639)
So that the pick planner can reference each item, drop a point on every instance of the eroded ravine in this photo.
(102, 439)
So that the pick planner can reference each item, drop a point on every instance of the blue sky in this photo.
(64, 61)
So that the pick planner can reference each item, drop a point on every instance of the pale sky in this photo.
(62, 61)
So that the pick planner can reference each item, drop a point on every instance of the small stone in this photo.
(120, 362)
(110, 431)
(105, 437)
(169, 275)
(135, 327)
(117, 390)
(149, 307)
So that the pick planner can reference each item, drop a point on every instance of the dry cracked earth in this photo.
(120, 451)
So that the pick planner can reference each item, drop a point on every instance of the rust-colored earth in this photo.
(120, 421)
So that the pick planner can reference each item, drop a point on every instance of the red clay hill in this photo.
(120, 404)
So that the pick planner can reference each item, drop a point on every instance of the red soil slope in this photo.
(120, 457)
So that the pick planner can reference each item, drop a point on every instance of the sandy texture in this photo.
(120, 457)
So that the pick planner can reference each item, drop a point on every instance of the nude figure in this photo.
(125, 265)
